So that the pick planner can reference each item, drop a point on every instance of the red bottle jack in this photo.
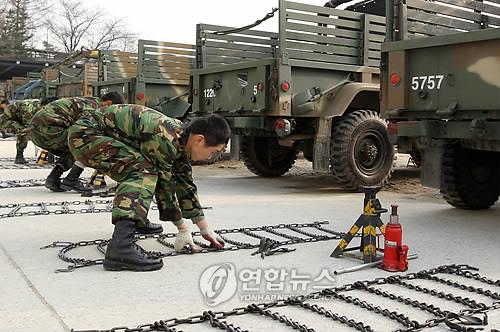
(395, 253)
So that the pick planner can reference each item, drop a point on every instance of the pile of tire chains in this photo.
(467, 320)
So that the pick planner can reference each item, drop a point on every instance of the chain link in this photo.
(467, 320)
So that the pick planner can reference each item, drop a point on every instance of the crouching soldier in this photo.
(50, 132)
(148, 154)
(17, 118)
(3, 106)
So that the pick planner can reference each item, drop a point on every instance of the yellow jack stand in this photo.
(43, 158)
(97, 180)
(368, 223)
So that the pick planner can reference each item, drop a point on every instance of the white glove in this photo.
(184, 239)
(215, 240)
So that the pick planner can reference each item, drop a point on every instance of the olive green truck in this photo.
(441, 94)
(156, 76)
(313, 87)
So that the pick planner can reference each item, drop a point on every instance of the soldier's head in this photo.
(111, 98)
(3, 104)
(47, 100)
(206, 136)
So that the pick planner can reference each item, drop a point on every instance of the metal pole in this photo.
(365, 266)
(235, 147)
(389, 20)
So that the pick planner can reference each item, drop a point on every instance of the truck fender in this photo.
(353, 96)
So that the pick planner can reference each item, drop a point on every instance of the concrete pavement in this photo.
(34, 298)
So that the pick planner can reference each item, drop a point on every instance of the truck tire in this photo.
(361, 153)
(263, 156)
(469, 178)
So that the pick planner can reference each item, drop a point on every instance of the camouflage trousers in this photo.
(54, 140)
(138, 179)
(21, 142)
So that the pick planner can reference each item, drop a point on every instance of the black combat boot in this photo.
(72, 181)
(53, 181)
(123, 254)
(20, 158)
(149, 228)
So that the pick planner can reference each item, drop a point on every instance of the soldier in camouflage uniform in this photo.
(148, 154)
(50, 132)
(3, 106)
(17, 118)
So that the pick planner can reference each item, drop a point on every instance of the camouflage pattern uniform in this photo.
(142, 149)
(50, 125)
(17, 118)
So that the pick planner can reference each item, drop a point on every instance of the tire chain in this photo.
(51, 208)
(11, 159)
(66, 247)
(64, 207)
(461, 321)
(9, 184)
(26, 166)
(25, 183)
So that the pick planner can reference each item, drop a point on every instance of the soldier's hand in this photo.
(26, 131)
(215, 240)
(183, 239)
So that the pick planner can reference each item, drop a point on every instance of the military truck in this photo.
(76, 74)
(440, 91)
(78, 81)
(311, 87)
(12, 84)
(157, 76)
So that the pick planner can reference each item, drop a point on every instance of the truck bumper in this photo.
(439, 129)
(430, 137)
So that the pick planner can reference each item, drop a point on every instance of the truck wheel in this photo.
(361, 153)
(263, 156)
(469, 178)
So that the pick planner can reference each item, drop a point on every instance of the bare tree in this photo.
(111, 34)
(37, 10)
(76, 27)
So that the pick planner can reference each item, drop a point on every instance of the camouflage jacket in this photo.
(18, 115)
(66, 111)
(159, 138)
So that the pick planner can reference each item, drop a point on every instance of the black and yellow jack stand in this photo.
(368, 223)
(43, 158)
(97, 180)
(99, 187)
